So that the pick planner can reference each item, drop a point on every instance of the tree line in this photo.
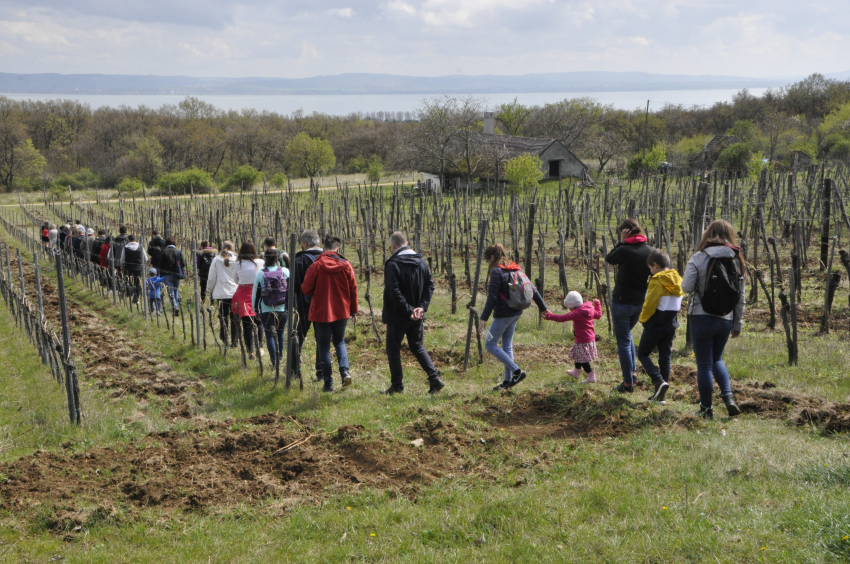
(194, 145)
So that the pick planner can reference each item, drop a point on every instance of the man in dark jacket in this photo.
(629, 255)
(408, 287)
(117, 248)
(155, 248)
(311, 249)
(172, 270)
(133, 261)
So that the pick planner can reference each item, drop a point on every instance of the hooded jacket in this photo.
(497, 292)
(221, 283)
(331, 284)
(632, 273)
(302, 261)
(694, 281)
(582, 318)
(663, 301)
(133, 258)
(407, 285)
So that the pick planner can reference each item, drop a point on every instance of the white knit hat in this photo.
(573, 300)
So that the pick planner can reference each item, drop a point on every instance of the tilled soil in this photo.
(766, 400)
(110, 357)
(219, 464)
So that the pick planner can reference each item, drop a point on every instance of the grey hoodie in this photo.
(694, 281)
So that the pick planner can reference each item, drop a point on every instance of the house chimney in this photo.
(489, 123)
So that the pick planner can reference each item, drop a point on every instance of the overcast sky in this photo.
(288, 38)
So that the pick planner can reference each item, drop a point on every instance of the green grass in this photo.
(745, 490)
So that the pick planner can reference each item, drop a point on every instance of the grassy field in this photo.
(551, 472)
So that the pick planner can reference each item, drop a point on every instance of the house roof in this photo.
(710, 152)
(517, 146)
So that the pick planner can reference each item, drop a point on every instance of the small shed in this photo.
(800, 159)
(556, 160)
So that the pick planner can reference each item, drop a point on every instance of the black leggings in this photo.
(225, 318)
(248, 324)
(585, 366)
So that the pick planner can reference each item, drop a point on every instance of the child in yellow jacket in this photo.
(660, 319)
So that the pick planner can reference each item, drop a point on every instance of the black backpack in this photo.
(722, 286)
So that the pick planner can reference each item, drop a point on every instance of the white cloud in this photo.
(423, 37)
(346, 13)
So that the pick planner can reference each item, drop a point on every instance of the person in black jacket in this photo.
(311, 248)
(117, 249)
(172, 270)
(155, 248)
(505, 318)
(630, 255)
(408, 287)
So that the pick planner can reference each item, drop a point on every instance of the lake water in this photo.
(346, 104)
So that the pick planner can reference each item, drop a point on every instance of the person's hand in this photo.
(736, 334)
(418, 314)
(623, 234)
(481, 325)
(547, 314)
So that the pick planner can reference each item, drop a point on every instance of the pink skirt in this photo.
(583, 352)
(241, 304)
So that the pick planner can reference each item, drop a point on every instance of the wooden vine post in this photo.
(473, 313)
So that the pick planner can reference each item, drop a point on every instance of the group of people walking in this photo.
(647, 290)
(252, 289)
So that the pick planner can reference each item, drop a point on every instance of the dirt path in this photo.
(110, 356)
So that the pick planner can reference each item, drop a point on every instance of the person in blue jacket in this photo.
(153, 285)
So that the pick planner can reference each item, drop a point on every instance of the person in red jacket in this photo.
(583, 352)
(330, 287)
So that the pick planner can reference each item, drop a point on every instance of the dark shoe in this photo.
(346, 379)
(516, 378)
(623, 389)
(504, 385)
(705, 412)
(176, 312)
(660, 392)
(328, 388)
(392, 390)
(319, 377)
(731, 406)
(436, 386)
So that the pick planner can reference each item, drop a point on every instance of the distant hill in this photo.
(54, 83)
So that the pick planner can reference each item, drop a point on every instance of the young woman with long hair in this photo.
(247, 266)
(221, 285)
(710, 332)
(505, 318)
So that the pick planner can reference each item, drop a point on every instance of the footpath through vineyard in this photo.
(110, 356)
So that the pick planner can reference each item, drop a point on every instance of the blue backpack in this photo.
(275, 286)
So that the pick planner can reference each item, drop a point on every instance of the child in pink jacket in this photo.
(583, 351)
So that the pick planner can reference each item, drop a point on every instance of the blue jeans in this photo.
(624, 317)
(326, 333)
(172, 282)
(274, 323)
(709, 335)
(503, 328)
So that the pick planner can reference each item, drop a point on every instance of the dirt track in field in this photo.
(109, 355)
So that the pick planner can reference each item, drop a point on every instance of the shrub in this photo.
(375, 171)
(130, 185)
(523, 171)
(244, 178)
(279, 180)
(185, 181)
(734, 157)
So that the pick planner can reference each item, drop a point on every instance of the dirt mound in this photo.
(219, 464)
(766, 400)
(567, 412)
